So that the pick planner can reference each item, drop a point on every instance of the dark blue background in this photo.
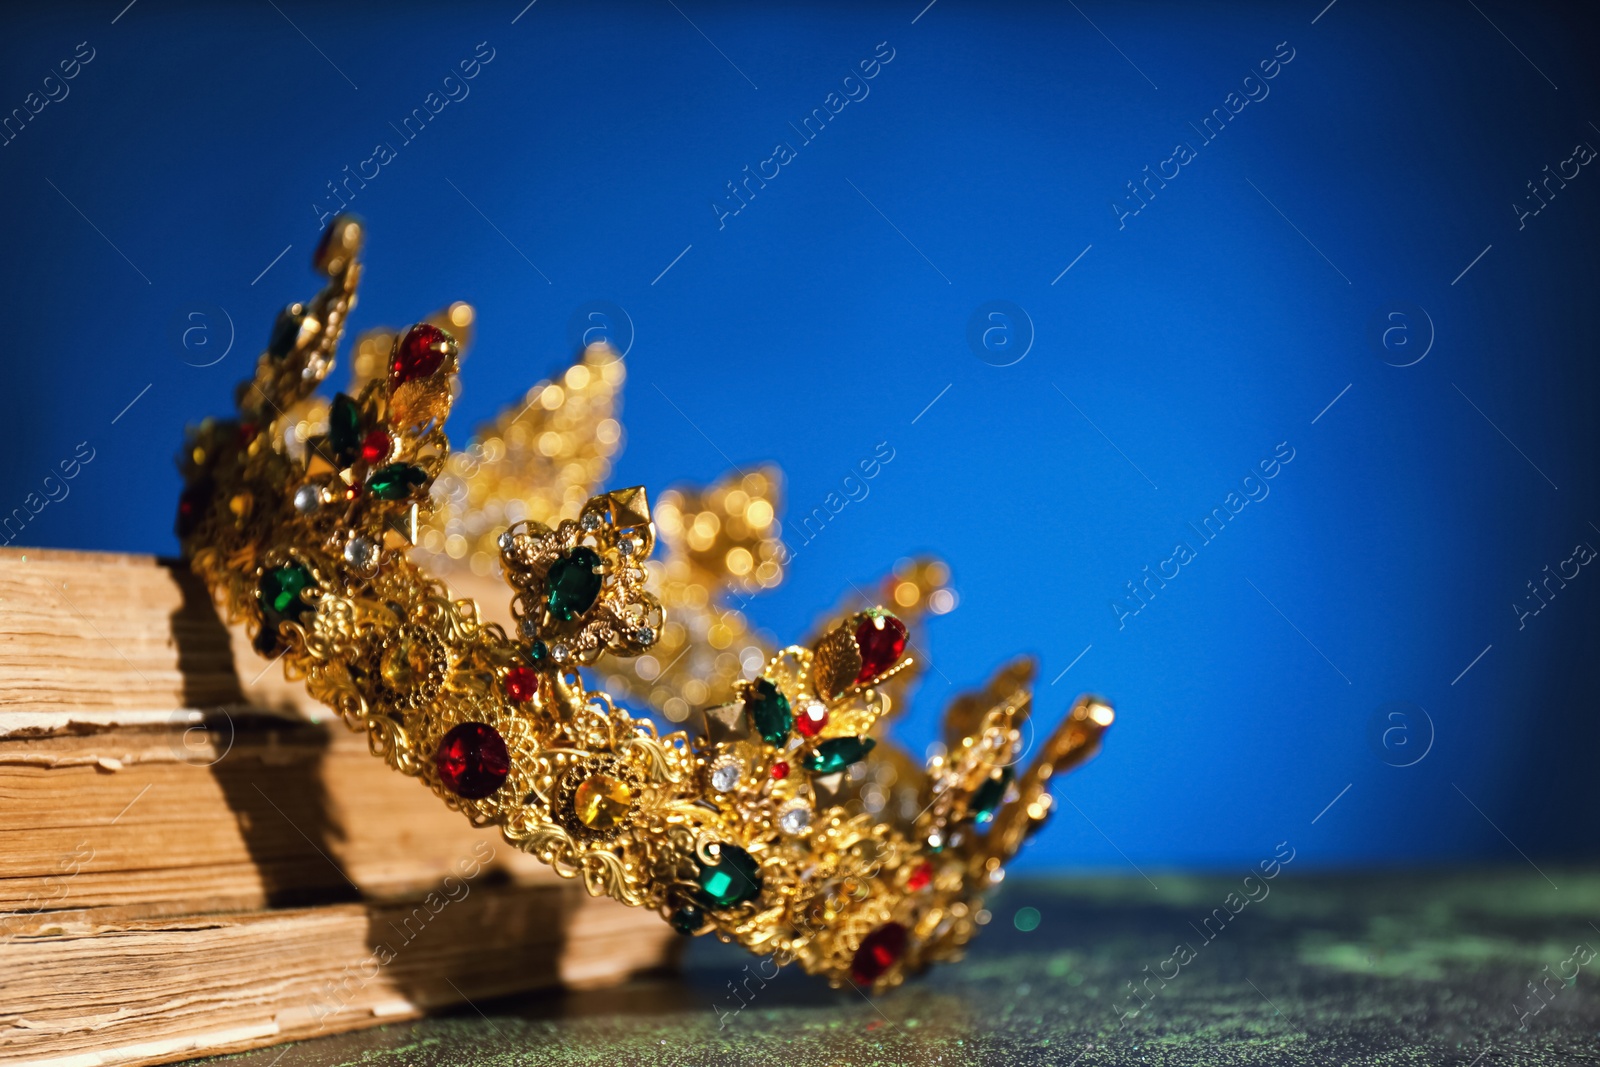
(827, 315)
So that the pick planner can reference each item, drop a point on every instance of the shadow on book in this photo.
(422, 938)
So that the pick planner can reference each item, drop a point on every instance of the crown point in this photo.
(337, 248)
(1099, 712)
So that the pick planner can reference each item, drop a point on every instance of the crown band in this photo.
(754, 828)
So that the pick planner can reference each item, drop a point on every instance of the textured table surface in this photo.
(1402, 968)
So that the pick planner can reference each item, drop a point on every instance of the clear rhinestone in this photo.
(590, 522)
(307, 499)
(626, 546)
(361, 552)
(505, 541)
(794, 820)
(529, 626)
(724, 776)
(647, 635)
(560, 652)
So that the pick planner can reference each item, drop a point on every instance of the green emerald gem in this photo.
(538, 654)
(687, 919)
(769, 711)
(732, 880)
(279, 591)
(344, 429)
(396, 481)
(989, 795)
(838, 753)
(285, 331)
(574, 583)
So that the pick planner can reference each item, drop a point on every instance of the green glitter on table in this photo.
(1480, 969)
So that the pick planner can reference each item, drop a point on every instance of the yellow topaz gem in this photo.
(602, 802)
(405, 663)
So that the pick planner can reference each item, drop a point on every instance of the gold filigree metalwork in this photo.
(785, 822)
(580, 587)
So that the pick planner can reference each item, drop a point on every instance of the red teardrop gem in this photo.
(418, 354)
(376, 446)
(921, 875)
(472, 760)
(812, 718)
(780, 771)
(192, 507)
(521, 684)
(879, 951)
(880, 638)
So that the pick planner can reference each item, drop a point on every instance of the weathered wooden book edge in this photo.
(197, 859)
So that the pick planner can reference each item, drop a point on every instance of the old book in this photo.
(194, 861)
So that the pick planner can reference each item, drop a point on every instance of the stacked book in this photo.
(194, 858)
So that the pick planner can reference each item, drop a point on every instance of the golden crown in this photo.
(778, 822)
